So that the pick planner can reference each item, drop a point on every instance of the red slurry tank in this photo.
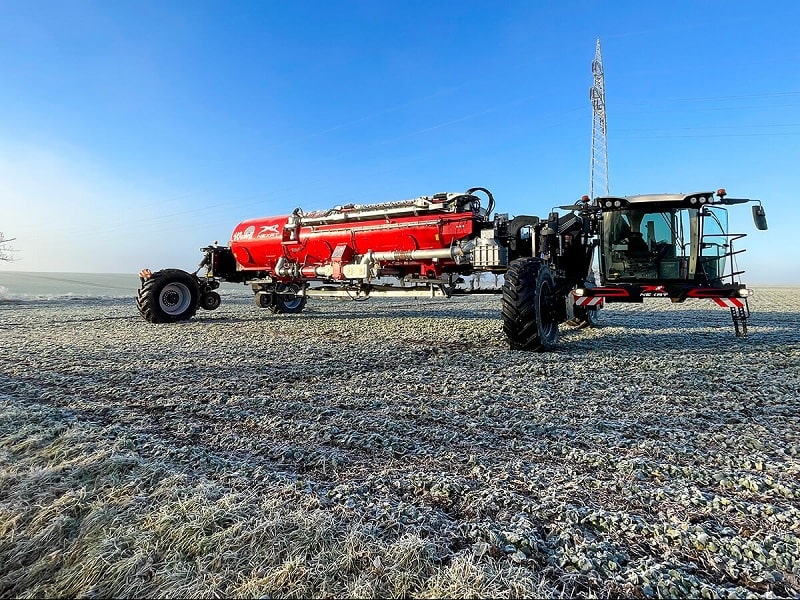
(420, 236)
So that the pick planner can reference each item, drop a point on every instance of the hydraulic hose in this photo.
(490, 206)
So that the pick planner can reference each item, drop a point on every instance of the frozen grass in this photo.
(398, 450)
(82, 516)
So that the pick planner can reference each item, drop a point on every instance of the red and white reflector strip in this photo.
(589, 301)
(729, 302)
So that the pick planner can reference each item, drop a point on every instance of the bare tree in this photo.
(6, 251)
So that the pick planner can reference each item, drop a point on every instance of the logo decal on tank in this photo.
(247, 234)
(268, 231)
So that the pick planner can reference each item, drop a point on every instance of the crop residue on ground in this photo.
(398, 449)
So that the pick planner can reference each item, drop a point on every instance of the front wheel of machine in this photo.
(168, 296)
(530, 315)
(288, 303)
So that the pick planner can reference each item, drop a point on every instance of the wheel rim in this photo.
(263, 299)
(211, 300)
(547, 311)
(175, 298)
(291, 302)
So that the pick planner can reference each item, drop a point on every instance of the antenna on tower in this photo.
(597, 94)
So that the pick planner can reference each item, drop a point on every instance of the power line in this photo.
(711, 127)
(710, 135)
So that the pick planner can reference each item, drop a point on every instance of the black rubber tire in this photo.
(288, 303)
(530, 315)
(586, 317)
(210, 301)
(263, 299)
(168, 296)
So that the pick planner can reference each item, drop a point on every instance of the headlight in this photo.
(703, 199)
(692, 200)
(579, 291)
(608, 203)
(744, 293)
(617, 203)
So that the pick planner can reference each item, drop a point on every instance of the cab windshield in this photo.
(650, 245)
(672, 244)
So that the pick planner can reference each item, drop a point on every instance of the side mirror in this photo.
(759, 217)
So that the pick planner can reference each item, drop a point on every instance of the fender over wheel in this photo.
(530, 311)
(168, 296)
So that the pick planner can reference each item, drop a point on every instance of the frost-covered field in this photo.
(398, 448)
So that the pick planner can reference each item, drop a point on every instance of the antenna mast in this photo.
(597, 94)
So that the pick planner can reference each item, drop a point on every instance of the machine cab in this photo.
(663, 238)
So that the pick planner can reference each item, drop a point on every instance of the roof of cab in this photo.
(655, 198)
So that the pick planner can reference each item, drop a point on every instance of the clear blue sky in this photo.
(132, 133)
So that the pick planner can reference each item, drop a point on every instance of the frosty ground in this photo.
(398, 448)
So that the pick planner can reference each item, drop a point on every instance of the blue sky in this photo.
(133, 133)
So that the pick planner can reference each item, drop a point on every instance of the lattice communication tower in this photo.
(597, 94)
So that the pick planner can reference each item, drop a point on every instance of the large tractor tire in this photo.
(530, 312)
(288, 303)
(168, 296)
